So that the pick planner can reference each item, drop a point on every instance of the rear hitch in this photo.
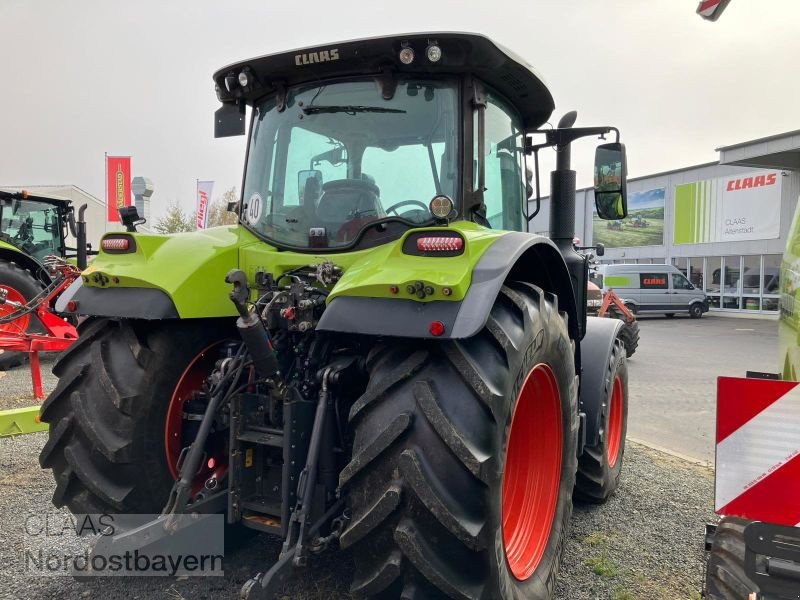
(266, 586)
(300, 537)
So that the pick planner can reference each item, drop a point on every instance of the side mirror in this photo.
(229, 120)
(600, 249)
(309, 185)
(233, 206)
(610, 188)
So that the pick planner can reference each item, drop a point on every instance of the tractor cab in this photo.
(35, 226)
(350, 143)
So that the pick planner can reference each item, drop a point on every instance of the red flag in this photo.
(118, 185)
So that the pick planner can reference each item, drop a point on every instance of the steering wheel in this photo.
(394, 207)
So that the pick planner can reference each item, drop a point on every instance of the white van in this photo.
(655, 289)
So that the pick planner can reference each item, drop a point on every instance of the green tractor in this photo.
(378, 356)
(31, 229)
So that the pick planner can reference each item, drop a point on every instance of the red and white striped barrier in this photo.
(758, 450)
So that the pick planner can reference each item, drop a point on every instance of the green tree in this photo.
(176, 220)
(218, 211)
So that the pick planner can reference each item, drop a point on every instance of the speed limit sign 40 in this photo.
(254, 209)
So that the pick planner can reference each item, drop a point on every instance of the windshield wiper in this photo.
(349, 109)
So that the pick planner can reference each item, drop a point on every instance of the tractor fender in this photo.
(12, 254)
(131, 303)
(178, 276)
(514, 256)
(596, 348)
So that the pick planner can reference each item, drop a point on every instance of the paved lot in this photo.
(674, 372)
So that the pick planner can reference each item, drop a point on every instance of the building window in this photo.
(713, 279)
(731, 282)
(680, 264)
(770, 282)
(751, 282)
(696, 271)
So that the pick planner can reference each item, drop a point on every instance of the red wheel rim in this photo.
(532, 475)
(216, 459)
(17, 325)
(615, 422)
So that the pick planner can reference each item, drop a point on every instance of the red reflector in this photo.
(440, 244)
(437, 328)
(211, 463)
(117, 244)
(72, 306)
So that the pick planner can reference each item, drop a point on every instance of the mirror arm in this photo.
(564, 137)
(535, 151)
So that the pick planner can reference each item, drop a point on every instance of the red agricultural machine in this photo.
(36, 266)
(611, 306)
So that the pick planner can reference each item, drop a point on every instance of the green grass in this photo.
(595, 539)
(623, 595)
(602, 565)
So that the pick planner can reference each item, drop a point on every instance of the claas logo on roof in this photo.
(711, 10)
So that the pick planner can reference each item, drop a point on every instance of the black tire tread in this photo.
(414, 531)
(105, 443)
(726, 578)
(629, 334)
(593, 483)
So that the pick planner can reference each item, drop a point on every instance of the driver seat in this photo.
(346, 205)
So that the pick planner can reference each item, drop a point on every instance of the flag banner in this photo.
(118, 185)
(204, 189)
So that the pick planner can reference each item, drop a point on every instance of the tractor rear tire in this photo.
(20, 283)
(440, 480)
(726, 578)
(629, 334)
(107, 414)
(600, 466)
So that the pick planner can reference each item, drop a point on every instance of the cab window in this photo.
(504, 165)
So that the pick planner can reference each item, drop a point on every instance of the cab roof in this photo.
(461, 53)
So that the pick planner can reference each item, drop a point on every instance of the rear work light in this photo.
(440, 244)
(117, 244)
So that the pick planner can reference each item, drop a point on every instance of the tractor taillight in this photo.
(440, 244)
(436, 328)
(117, 244)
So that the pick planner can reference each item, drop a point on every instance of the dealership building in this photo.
(724, 224)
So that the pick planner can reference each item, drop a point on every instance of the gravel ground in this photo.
(646, 543)
(16, 390)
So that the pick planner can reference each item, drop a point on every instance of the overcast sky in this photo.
(81, 78)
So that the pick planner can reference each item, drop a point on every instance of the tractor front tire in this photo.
(464, 459)
(107, 415)
(21, 287)
(726, 578)
(600, 466)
